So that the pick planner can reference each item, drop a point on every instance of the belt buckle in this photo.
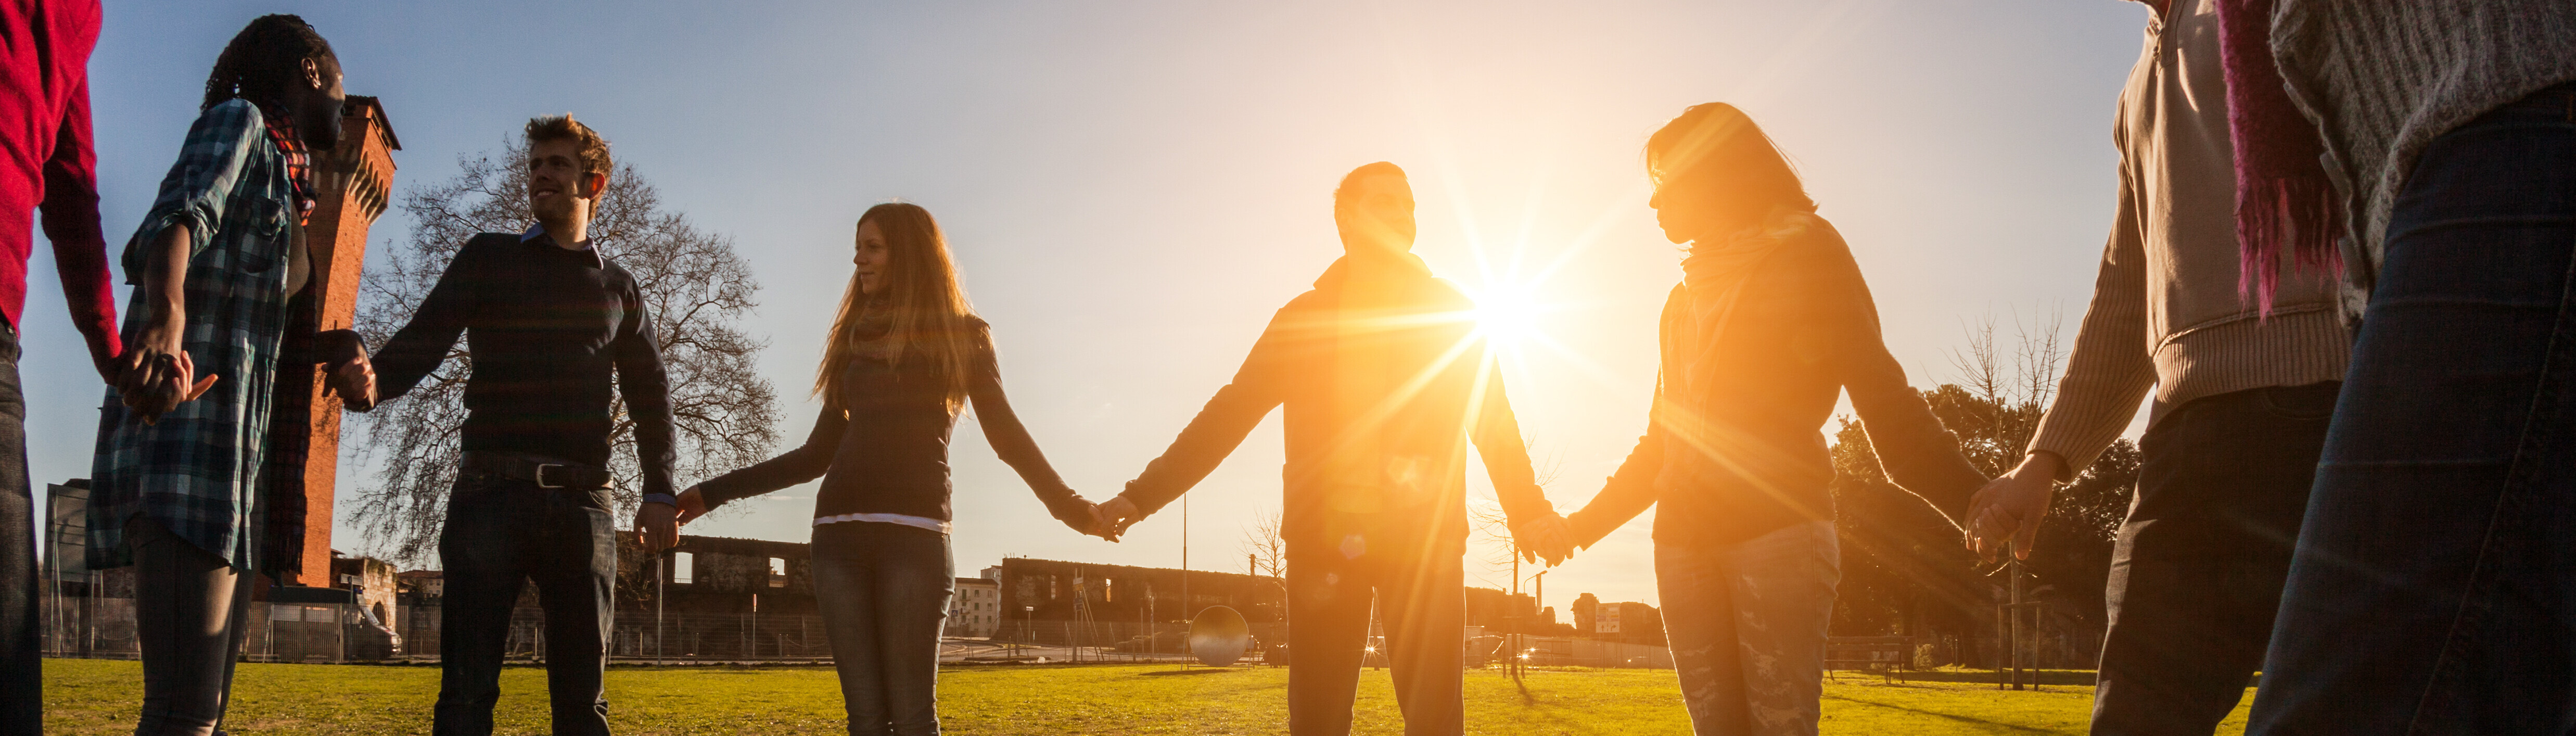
(541, 475)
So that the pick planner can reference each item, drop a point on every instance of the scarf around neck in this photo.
(1714, 277)
(1716, 271)
(2284, 202)
(299, 159)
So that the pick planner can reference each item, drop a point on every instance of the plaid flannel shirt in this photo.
(197, 471)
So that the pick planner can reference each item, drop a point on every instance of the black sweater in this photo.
(1804, 331)
(547, 328)
(887, 452)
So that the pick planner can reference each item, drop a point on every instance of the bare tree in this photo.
(1264, 543)
(696, 287)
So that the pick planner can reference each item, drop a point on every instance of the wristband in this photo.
(663, 498)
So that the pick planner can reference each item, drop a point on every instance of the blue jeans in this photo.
(502, 534)
(2433, 590)
(22, 691)
(883, 590)
(1747, 626)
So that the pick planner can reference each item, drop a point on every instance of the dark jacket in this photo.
(887, 452)
(1384, 381)
(548, 328)
(1804, 331)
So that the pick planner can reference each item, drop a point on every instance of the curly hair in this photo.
(266, 59)
(593, 149)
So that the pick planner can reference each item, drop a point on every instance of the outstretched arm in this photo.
(1213, 434)
(1629, 491)
(2107, 374)
(71, 224)
(646, 386)
(1011, 441)
(1916, 452)
(1536, 528)
(422, 344)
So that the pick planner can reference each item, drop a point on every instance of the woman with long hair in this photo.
(907, 354)
(1770, 323)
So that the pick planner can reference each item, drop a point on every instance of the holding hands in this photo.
(1111, 518)
(1544, 538)
(2008, 509)
(346, 370)
(1089, 522)
(657, 525)
(157, 375)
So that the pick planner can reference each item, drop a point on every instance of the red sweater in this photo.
(45, 162)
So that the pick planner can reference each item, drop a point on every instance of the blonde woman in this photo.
(907, 354)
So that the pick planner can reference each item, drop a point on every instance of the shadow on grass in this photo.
(1191, 671)
(2081, 678)
(1993, 726)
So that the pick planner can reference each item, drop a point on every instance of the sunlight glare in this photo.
(1508, 315)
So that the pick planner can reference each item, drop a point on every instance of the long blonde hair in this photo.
(929, 315)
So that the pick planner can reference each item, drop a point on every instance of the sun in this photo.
(1509, 314)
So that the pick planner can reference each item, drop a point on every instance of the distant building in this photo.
(976, 610)
(1055, 590)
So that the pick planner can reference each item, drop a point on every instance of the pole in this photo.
(1185, 579)
(661, 576)
(1511, 619)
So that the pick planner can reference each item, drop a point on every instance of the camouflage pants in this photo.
(1747, 627)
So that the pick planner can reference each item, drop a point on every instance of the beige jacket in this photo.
(2167, 311)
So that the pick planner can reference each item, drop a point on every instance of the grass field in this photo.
(87, 697)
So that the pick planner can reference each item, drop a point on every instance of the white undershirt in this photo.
(923, 522)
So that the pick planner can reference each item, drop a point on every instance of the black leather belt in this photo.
(546, 472)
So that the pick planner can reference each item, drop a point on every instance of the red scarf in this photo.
(299, 161)
(2284, 202)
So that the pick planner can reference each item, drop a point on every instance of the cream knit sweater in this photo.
(2382, 78)
(2166, 312)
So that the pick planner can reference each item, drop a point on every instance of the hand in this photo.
(1090, 523)
(158, 375)
(657, 525)
(1544, 538)
(1115, 515)
(348, 373)
(693, 504)
(2009, 508)
(354, 382)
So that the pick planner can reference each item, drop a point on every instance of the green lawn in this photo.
(99, 697)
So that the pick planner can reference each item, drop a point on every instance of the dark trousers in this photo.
(2434, 586)
(190, 609)
(883, 591)
(2196, 571)
(22, 684)
(1420, 601)
(501, 534)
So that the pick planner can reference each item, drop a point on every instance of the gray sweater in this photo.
(2382, 78)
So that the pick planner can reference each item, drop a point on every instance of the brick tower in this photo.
(353, 183)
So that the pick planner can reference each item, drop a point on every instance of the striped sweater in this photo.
(2382, 78)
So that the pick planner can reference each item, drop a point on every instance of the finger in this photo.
(203, 385)
(2028, 535)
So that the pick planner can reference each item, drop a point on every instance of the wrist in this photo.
(2046, 464)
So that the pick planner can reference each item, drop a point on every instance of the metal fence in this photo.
(104, 628)
(91, 627)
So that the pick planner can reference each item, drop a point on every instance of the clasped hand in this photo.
(1546, 537)
(2009, 508)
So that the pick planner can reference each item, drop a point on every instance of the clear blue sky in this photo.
(1132, 187)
